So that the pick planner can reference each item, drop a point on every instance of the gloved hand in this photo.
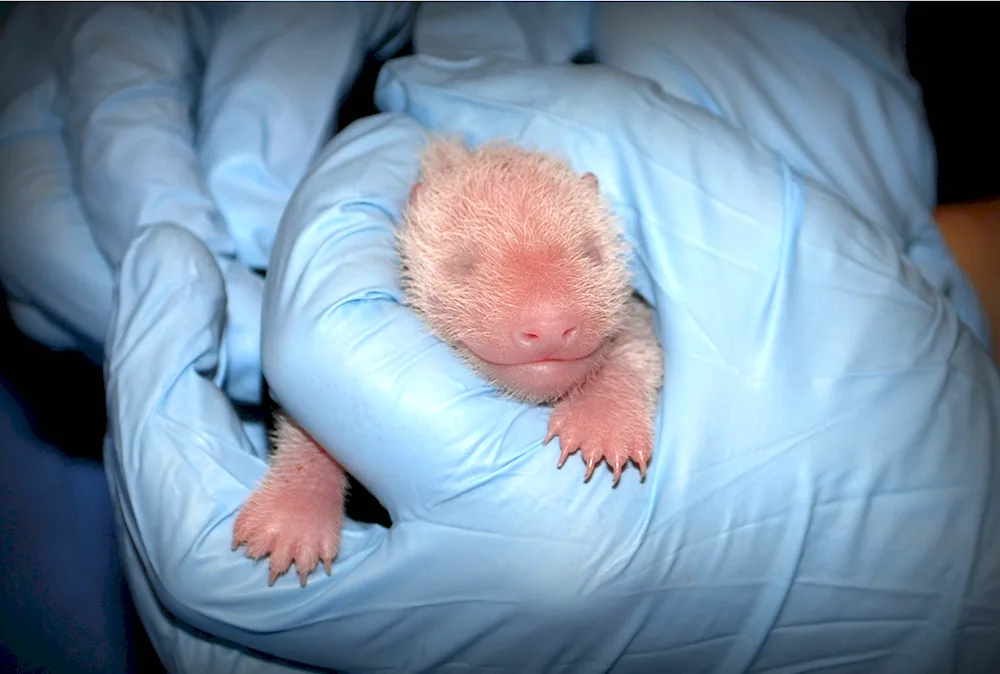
(817, 389)
(113, 125)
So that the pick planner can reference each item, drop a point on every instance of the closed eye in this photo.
(464, 264)
(593, 253)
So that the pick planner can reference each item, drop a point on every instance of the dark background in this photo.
(950, 52)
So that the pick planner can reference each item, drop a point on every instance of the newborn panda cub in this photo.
(514, 260)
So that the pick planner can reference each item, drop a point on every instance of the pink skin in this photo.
(296, 512)
(516, 262)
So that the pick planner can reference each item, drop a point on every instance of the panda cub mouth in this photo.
(546, 378)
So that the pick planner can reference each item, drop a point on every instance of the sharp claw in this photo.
(591, 465)
(328, 563)
(272, 578)
(643, 464)
(618, 474)
(569, 445)
(548, 436)
(303, 578)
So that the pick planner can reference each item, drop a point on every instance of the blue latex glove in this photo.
(822, 491)
(125, 79)
(738, 464)
(824, 84)
(57, 281)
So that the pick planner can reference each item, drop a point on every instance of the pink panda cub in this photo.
(515, 260)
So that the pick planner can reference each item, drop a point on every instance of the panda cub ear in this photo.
(590, 180)
(443, 154)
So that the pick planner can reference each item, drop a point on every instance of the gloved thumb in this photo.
(167, 319)
(181, 464)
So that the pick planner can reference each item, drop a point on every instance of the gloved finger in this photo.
(541, 32)
(58, 283)
(786, 74)
(48, 260)
(128, 78)
(177, 441)
(355, 367)
(276, 74)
